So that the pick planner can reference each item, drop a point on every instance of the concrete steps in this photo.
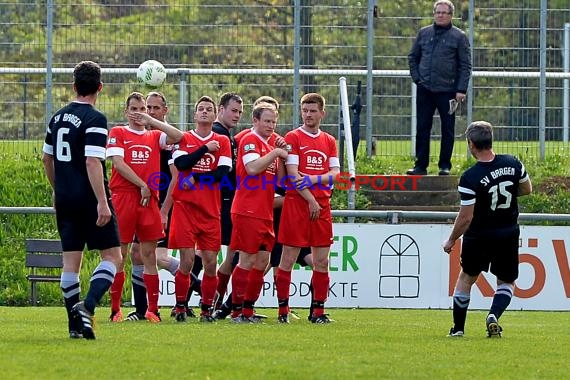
(412, 193)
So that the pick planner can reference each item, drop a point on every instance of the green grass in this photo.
(391, 150)
(24, 184)
(24, 147)
(361, 344)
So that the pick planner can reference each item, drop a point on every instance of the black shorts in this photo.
(500, 253)
(275, 257)
(78, 228)
(226, 220)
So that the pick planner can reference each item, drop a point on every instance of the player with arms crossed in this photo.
(304, 258)
(135, 152)
(73, 159)
(203, 158)
(306, 219)
(488, 222)
(252, 212)
(226, 308)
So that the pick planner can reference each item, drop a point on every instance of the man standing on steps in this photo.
(440, 66)
(488, 222)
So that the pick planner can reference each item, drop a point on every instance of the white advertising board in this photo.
(404, 266)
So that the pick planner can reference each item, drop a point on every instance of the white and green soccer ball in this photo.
(151, 73)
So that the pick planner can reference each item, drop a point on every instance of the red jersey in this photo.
(254, 193)
(206, 196)
(141, 152)
(315, 155)
(246, 131)
(241, 134)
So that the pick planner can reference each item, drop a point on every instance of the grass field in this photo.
(361, 344)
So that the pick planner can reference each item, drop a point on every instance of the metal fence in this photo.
(387, 216)
(275, 47)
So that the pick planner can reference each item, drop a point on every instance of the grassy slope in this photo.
(24, 184)
(362, 344)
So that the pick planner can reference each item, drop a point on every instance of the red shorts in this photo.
(297, 230)
(191, 228)
(251, 235)
(133, 218)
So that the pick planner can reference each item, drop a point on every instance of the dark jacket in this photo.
(440, 59)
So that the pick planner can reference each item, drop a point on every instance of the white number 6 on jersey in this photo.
(63, 152)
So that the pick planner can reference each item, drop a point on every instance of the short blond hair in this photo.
(260, 107)
(445, 2)
(266, 99)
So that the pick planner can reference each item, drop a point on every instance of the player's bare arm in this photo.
(525, 188)
(213, 145)
(95, 174)
(461, 224)
(322, 179)
(280, 142)
(314, 207)
(281, 172)
(262, 163)
(173, 135)
(47, 160)
(127, 173)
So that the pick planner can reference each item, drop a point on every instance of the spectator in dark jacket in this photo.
(440, 65)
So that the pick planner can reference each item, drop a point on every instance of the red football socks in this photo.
(116, 291)
(152, 283)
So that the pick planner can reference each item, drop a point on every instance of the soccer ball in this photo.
(151, 73)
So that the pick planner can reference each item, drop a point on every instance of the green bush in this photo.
(24, 184)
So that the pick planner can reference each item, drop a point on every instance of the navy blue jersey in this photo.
(75, 132)
(165, 161)
(493, 187)
(228, 191)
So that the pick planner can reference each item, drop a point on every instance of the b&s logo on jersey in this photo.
(315, 160)
(205, 164)
(112, 140)
(249, 147)
(140, 154)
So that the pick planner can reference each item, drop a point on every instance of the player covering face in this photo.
(135, 152)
